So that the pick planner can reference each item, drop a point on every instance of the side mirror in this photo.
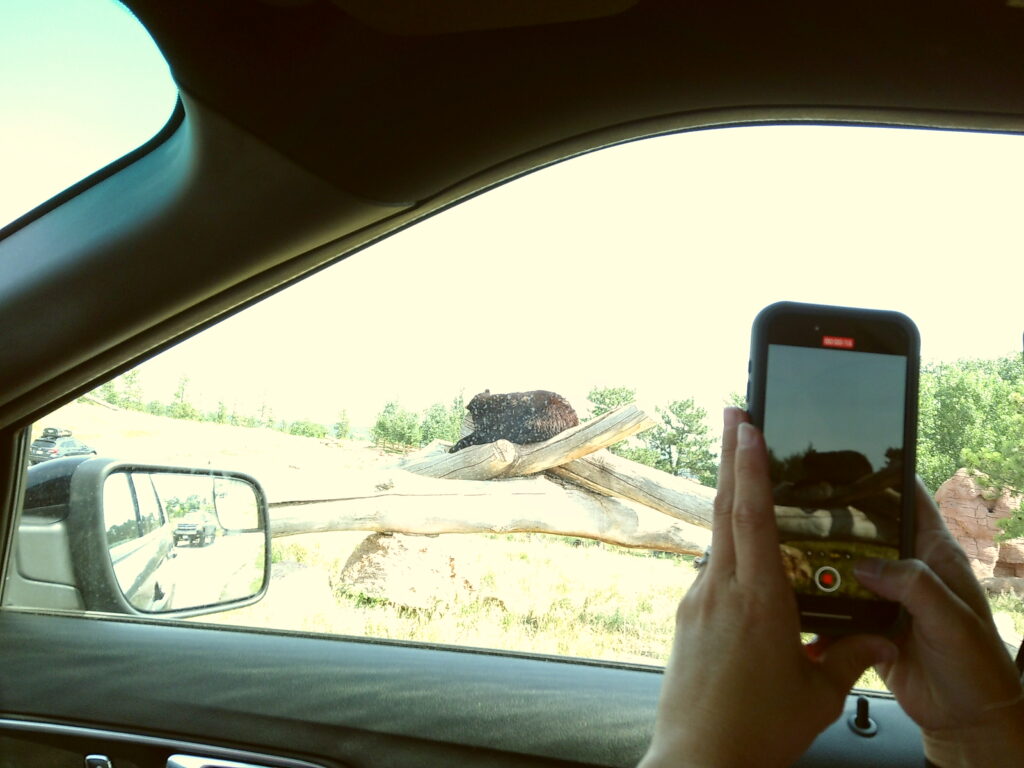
(136, 539)
(183, 540)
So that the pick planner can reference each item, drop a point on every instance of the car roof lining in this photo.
(396, 118)
(294, 187)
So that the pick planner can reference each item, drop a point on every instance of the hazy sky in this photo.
(641, 265)
(644, 265)
(834, 400)
(81, 84)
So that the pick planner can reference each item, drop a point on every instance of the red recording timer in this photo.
(837, 342)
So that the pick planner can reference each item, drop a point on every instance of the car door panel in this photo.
(29, 744)
(334, 701)
(321, 696)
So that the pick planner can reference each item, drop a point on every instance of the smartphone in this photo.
(834, 390)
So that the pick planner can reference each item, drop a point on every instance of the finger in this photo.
(754, 532)
(936, 546)
(948, 628)
(844, 661)
(721, 524)
(928, 517)
(934, 606)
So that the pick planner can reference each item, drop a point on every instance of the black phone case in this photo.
(869, 616)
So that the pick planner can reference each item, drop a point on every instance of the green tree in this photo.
(382, 429)
(635, 449)
(436, 424)
(971, 415)
(604, 399)
(131, 391)
(220, 415)
(176, 507)
(456, 414)
(307, 429)
(396, 426)
(678, 444)
(966, 410)
(406, 428)
(342, 427)
(265, 416)
(107, 392)
(180, 407)
(443, 422)
(737, 400)
(681, 442)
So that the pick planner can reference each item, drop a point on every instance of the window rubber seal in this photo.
(173, 123)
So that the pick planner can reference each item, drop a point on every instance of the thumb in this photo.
(846, 659)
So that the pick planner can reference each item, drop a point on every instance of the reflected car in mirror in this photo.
(100, 535)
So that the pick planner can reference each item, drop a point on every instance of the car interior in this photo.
(307, 133)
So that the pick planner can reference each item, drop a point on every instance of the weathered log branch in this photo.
(401, 502)
(613, 475)
(504, 459)
(477, 462)
(607, 429)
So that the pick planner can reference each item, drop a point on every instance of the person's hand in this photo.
(740, 689)
(953, 675)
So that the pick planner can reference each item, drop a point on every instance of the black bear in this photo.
(824, 476)
(519, 417)
(834, 467)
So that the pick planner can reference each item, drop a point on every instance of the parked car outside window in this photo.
(56, 443)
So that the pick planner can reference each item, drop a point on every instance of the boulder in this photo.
(971, 511)
(410, 572)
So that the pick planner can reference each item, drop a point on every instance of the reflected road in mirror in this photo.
(181, 540)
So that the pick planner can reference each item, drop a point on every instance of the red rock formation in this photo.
(971, 512)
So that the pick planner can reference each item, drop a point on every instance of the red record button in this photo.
(827, 578)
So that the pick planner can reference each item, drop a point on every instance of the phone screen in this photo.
(834, 424)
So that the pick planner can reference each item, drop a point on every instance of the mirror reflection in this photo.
(179, 540)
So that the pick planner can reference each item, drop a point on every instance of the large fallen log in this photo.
(507, 460)
(401, 502)
(478, 462)
(613, 475)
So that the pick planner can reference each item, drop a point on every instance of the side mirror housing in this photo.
(139, 539)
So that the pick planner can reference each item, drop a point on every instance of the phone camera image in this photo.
(834, 391)
(836, 458)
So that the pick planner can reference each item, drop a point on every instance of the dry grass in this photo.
(531, 593)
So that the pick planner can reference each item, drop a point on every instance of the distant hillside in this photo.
(263, 453)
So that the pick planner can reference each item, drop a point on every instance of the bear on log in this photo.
(519, 417)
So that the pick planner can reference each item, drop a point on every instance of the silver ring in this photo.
(701, 561)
